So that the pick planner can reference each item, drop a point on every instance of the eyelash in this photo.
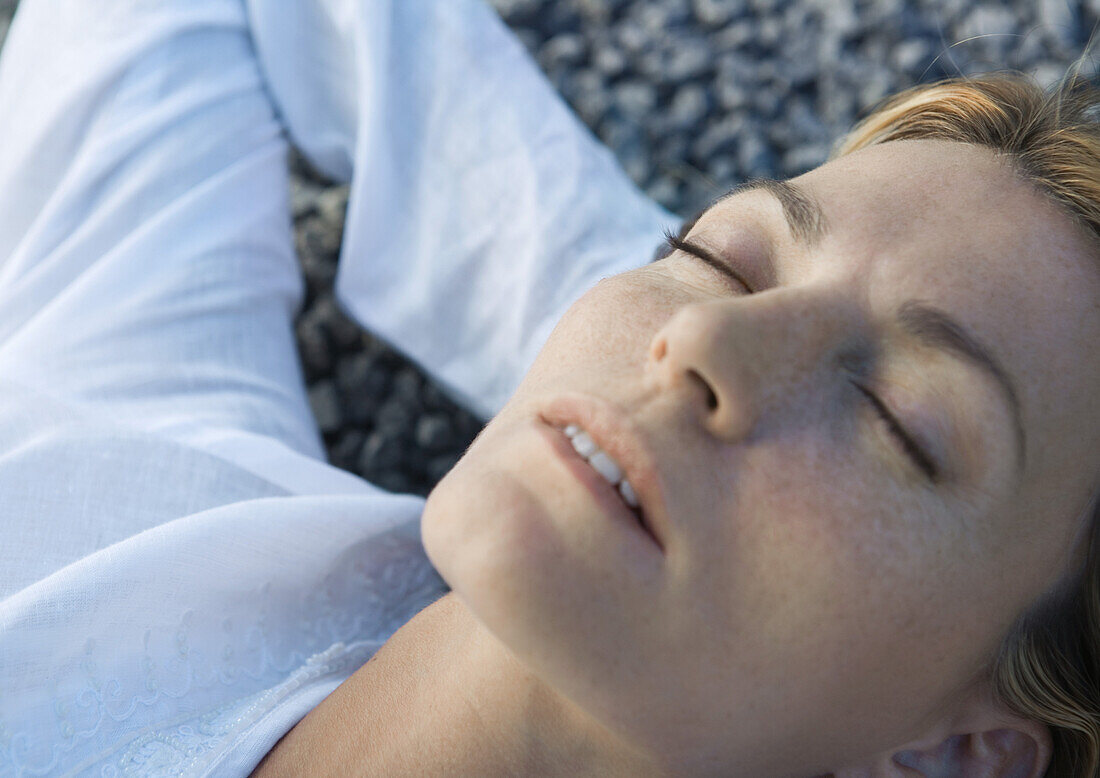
(915, 453)
(674, 242)
(923, 462)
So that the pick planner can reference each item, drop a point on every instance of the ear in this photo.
(999, 753)
(986, 741)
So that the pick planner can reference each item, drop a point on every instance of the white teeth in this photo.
(584, 444)
(627, 491)
(601, 463)
(605, 466)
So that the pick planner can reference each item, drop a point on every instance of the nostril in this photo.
(712, 398)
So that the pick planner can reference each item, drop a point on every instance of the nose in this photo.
(731, 360)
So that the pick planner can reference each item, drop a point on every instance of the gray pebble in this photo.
(516, 7)
(672, 153)
(637, 166)
(439, 466)
(689, 107)
(718, 137)
(885, 11)
(1059, 20)
(345, 452)
(314, 348)
(434, 432)
(332, 203)
(877, 84)
(805, 126)
(836, 104)
(840, 20)
(530, 39)
(373, 387)
(1047, 74)
(626, 137)
(696, 197)
(689, 59)
(591, 97)
(912, 56)
(407, 383)
(363, 383)
(754, 156)
(631, 37)
(989, 20)
(769, 32)
(320, 272)
(730, 95)
(468, 426)
(396, 481)
(734, 37)
(656, 18)
(767, 7)
(664, 191)
(723, 169)
(343, 330)
(318, 238)
(395, 417)
(435, 398)
(766, 100)
(715, 13)
(379, 452)
(608, 60)
(558, 18)
(597, 13)
(564, 49)
(801, 159)
(303, 197)
(325, 404)
(797, 72)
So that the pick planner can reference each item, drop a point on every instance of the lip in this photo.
(616, 434)
(597, 486)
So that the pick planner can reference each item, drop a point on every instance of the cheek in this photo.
(826, 565)
(617, 318)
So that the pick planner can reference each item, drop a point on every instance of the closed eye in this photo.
(674, 242)
(915, 453)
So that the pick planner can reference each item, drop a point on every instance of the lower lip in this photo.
(605, 495)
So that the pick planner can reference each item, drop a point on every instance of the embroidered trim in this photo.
(387, 590)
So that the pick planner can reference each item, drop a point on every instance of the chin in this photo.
(500, 549)
(485, 534)
(445, 530)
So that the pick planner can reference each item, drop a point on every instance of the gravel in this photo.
(693, 96)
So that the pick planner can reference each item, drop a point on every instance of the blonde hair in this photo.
(1048, 666)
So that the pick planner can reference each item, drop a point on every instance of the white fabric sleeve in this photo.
(147, 266)
(479, 208)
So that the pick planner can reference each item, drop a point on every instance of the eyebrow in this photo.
(937, 329)
(931, 326)
(804, 214)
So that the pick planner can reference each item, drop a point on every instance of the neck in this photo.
(444, 697)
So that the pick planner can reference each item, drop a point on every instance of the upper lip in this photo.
(615, 433)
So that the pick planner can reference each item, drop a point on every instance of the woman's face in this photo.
(813, 584)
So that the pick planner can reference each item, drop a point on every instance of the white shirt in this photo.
(182, 575)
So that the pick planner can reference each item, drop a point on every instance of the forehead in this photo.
(952, 224)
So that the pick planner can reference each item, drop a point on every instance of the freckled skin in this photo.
(816, 589)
